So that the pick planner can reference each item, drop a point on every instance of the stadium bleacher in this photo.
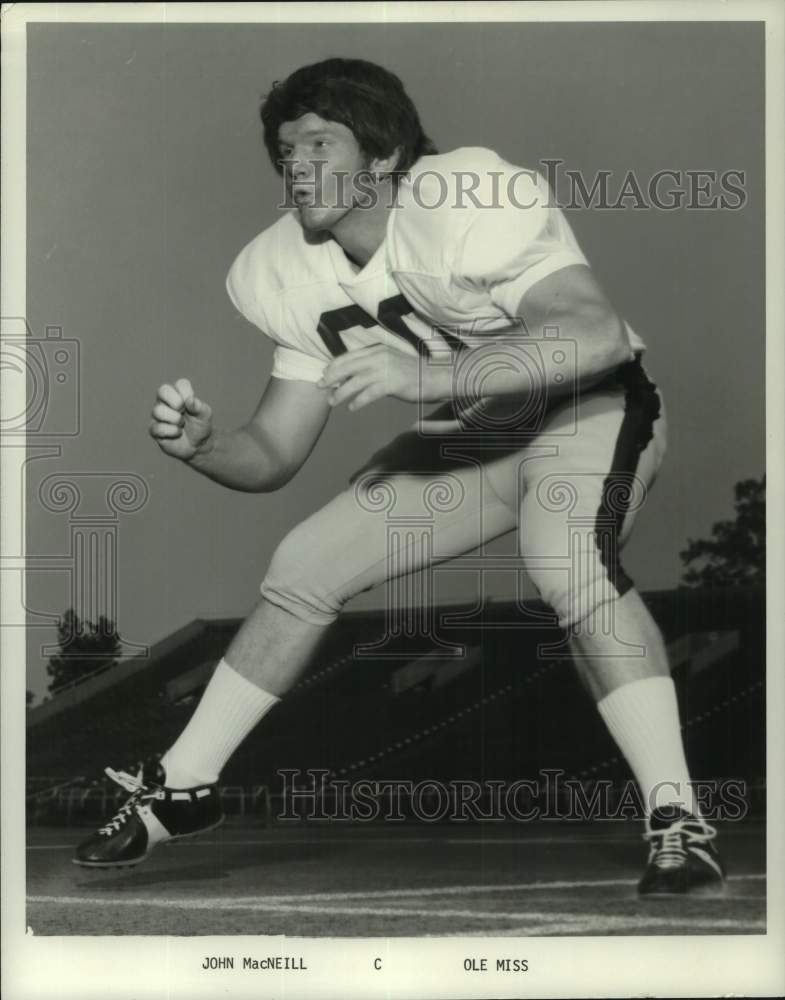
(504, 710)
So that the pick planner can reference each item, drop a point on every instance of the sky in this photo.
(147, 175)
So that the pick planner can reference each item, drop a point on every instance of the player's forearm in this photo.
(241, 461)
(513, 362)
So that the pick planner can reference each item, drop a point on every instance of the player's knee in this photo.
(297, 582)
(577, 593)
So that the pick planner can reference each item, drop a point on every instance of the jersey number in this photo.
(391, 312)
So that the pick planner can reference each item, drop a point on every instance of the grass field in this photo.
(353, 881)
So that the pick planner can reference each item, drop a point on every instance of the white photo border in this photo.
(560, 967)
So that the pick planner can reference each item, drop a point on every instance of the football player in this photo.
(452, 282)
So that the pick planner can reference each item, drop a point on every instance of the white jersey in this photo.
(469, 235)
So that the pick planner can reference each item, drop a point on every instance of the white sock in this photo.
(230, 708)
(643, 718)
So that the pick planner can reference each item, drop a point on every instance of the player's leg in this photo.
(343, 549)
(340, 551)
(265, 658)
(636, 697)
(604, 470)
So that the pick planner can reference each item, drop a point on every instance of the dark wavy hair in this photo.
(366, 98)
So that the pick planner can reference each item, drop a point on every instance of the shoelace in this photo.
(131, 783)
(669, 849)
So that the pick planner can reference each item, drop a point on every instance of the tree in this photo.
(735, 555)
(84, 648)
(30, 697)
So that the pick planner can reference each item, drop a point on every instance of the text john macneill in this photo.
(278, 962)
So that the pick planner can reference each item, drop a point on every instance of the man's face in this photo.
(320, 162)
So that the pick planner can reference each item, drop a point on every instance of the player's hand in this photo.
(181, 424)
(361, 377)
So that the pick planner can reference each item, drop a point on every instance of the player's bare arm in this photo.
(570, 300)
(259, 457)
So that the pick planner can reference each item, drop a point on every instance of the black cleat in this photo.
(682, 858)
(152, 815)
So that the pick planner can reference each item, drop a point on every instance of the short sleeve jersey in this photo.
(468, 235)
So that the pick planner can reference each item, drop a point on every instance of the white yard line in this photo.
(401, 841)
(423, 892)
(464, 890)
(305, 899)
(591, 925)
(566, 922)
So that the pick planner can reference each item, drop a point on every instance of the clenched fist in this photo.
(181, 424)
